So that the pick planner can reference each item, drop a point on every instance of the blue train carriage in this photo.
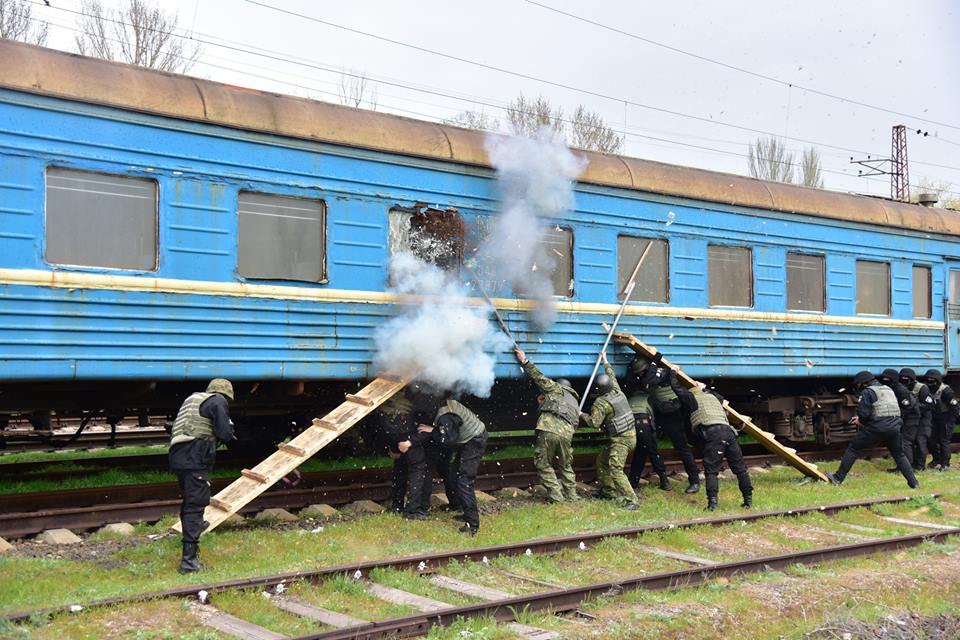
(157, 230)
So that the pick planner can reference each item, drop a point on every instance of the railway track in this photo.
(80, 509)
(526, 593)
(22, 440)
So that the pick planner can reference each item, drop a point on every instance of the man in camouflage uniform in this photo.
(611, 410)
(202, 422)
(559, 413)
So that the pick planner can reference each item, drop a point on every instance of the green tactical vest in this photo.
(640, 403)
(886, 405)
(472, 425)
(565, 407)
(398, 405)
(709, 410)
(664, 393)
(942, 405)
(622, 419)
(189, 424)
(915, 389)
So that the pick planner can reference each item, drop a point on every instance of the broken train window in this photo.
(433, 235)
(555, 259)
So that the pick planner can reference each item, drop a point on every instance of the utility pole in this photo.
(895, 166)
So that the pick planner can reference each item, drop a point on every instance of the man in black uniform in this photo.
(945, 409)
(203, 420)
(395, 423)
(909, 413)
(918, 457)
(424, 456)
(706, 412)
(669, 418)
(878, 416)
(638, 395)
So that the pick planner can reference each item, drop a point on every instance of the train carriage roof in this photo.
(54, 73)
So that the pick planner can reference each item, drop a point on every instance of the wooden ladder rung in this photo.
(220, 504)
(253, 475)
(367, 402)
(325, 424)
(292, 449)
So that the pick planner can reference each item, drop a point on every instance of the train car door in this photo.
(951, 314)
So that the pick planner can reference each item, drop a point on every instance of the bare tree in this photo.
(355, 89)
(769, 159)
(525, 117)
(589, 131)
(811, 174)
(17, 23)
(137, 33)
(471, 119)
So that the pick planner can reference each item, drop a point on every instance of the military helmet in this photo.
(863, 378)
(602, 384)
(221, 386)
(908, 373)
(889, 375)
(563, 382)
(935, 374)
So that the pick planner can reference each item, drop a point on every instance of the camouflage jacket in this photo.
(601, 409)
(548, 422)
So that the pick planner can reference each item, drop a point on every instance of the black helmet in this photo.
(889, 375)
(863, 378)
(908, 373)
(563, 382)
(602, 384)
(933, 374)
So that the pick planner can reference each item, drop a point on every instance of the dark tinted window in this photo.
(805, 282)
(101, 220)
(873, 287)
(730, 274)
(652, 283)
(921, 292)
(280, 238)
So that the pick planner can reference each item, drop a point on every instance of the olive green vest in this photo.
(472, 425)
(398, 405)
(709, 410)
(565, 407)
(942, 405)
(915, 389)
(640, 403)
(886, 405)
(622, 419)
(664, 393)
(189, 424)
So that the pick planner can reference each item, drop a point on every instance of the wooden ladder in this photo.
(765, 438)
(290, 455)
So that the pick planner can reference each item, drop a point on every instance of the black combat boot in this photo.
(693, 488)
(711, 503)
(833, 478)
(190, 562)
(468, 530)
(664, 482)
(747, 500)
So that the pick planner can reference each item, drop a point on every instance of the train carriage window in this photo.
(873, 287)
(557, 245)
(652, 284)
(433, 235)
(730, 275)
(280, 238)
(921, 292)
(805, 282)
(101, 220)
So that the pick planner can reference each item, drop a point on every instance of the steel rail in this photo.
(425, 563)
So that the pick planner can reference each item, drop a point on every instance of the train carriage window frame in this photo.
(251, 261)
(865, 304)
(434, 235)
(801, 292)
(926, 311)
(560, 288)
(648, 279)
(82, 223)
(717, 278)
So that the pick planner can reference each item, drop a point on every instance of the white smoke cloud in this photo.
(439, 336)
(535, 180)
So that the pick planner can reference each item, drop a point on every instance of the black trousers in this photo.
(463, 470)
(719, 443)
(646, 448)
(940, 439)
(869, 437)
(440, 459)
(419, 480)
(195, 495)
(675, 428)
(398, 483)
(924, 434)
(909, 436)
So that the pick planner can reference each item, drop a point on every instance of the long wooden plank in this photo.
(291, 455)
(324, 616)
(233, 626)
(765, 438)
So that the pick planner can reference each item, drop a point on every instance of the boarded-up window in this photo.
(101, 220)
(652, 283)
(730, 276)
(557, 247)
(280, 238)
(805, 282)
(921, 292)
(873, 287)
(436, 236)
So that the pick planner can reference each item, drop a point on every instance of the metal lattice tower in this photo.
(899, 172)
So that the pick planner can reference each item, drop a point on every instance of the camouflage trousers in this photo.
(553, 458)
(610, 463)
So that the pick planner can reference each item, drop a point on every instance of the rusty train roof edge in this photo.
(48, 72)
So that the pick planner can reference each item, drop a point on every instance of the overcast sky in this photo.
(902, 56)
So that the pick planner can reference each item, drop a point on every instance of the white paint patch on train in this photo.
(439, 336)
(535, 178)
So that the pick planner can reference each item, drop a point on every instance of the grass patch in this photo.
(251, 605)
